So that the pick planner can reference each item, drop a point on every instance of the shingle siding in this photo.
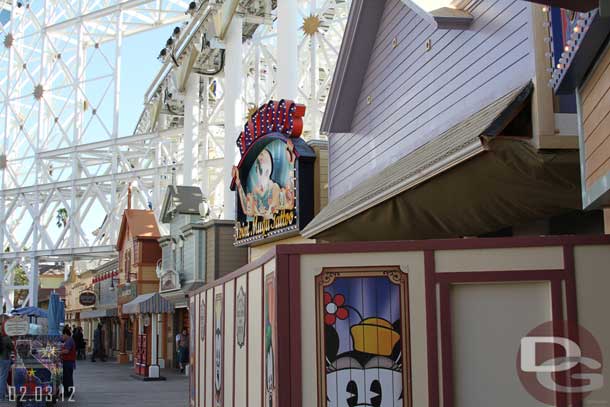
(167, 254)
(189, 258)
(415, 94)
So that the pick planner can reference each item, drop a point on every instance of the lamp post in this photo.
(112, 280)
(128, 282)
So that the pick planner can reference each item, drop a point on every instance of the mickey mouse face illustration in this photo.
(370, 375)
(377, 384)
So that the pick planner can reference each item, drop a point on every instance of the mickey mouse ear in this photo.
(331, 340)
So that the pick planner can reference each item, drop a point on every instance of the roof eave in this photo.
(595, 39)
(358, 41)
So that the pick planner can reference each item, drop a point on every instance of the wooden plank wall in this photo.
(230, 258)
(595, 100)
(210, 254)
(411, 95)
(241, 363)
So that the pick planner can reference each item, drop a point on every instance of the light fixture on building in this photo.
(128, 282)
(113, 279)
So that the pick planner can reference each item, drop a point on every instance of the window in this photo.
(174, 258)
(182, 258)
(127, 265)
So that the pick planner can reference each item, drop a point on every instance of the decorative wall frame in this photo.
(362, 325)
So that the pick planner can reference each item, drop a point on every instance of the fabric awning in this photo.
(152, 303)
(99, 313)
(441, 190)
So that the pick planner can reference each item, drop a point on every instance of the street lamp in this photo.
(113, 279)
(128, 282)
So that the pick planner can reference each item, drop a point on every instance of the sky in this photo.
(140, 66)
(430, 5)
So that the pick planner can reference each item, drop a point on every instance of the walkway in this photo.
(110, 384)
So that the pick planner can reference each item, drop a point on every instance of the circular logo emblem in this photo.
(560, 361)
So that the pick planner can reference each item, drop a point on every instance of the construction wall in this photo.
(416, 323)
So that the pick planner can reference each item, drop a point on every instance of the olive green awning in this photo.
(466, 182)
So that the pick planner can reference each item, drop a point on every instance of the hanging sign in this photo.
(87, 298)
(16, 326)
(274, 178)
(170, 280)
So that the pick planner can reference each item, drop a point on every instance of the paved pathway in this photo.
(110, 384)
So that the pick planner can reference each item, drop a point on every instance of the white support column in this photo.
(114, 186)
(117, 73)
(233, 108)
(33, 281)
(204, 177)
(161, 336)
(153, 369)
(314, 73)
(287, 56)
(191, 130)
(79, 78)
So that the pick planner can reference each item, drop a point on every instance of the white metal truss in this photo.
(321, 25)
(66, 170)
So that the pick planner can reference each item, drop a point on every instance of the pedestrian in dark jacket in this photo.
(98, 346)
(79, 340)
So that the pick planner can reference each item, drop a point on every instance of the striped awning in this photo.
(151, 303)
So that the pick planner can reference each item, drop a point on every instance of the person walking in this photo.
(79, 341)
(183, 350)
(6, 348)
(98, 345)
(68, 357)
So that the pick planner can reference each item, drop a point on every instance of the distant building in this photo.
(196, 251)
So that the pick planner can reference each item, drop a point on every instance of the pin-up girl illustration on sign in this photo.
(270, 184)
(362, 318)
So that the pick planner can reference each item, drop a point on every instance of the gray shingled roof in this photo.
(181, 200)
(457, 144)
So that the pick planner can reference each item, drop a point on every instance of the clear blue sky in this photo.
(140, 65)
(138, 68)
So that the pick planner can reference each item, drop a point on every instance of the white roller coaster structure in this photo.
(66, 169)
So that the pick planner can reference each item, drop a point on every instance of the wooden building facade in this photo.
(581, 66)
(139, 252)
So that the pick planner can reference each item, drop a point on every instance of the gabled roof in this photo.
(352, 62)
(180, 199)
(356, 49)
(142, 224)
(455, 146)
